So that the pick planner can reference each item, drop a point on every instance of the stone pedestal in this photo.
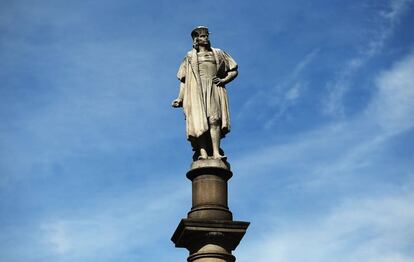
(209, 232)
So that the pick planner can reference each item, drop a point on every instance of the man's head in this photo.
(200, 36)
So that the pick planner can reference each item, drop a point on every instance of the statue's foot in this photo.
(202, 157)
(203, 154)
(218, 156)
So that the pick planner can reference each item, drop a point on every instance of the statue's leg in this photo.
(215, 137)
(202, 145)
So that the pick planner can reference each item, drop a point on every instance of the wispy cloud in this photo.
(89, 96)
(345, 145)
(393, 108)
(340, 159)
(338, 87)
(93, 157)
(114, 226)
(358, 229)
(279, 98)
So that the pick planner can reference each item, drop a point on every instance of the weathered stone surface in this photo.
(208, 163)
(209, 189)
(209, 240)
(210, 166)
(203, 75)
(209, 232)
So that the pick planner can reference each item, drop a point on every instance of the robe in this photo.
(196, 115)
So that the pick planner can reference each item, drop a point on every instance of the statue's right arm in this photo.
(178, 102)
(181, 75)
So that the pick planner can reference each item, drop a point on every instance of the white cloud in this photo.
(282, 96)
(397, 7)
(131, 221)
(332, 104)
(393, 107)
(390, 113)
(58, 237)
(369, 229)
(365, 226)
(293, 93)
(306, 61)
(344, 147)
(87, 97)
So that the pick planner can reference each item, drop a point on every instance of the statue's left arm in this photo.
(230, 68)
(230, 76)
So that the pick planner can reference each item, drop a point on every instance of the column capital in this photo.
(210, 166)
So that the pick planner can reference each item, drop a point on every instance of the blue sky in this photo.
(93, 157)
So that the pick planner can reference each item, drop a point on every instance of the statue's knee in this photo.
(214, 120)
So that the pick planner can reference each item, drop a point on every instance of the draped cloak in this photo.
(194, 104)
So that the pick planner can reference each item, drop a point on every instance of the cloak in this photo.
(192, 96)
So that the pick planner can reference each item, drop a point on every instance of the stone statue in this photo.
(203, 75)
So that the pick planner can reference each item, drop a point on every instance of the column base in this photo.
(209, 240)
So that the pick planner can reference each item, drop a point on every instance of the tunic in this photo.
(208, 69)
(202, 99)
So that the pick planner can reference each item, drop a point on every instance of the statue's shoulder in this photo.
(187, 57)
(220, 53)
(218, 50)
(189, 54)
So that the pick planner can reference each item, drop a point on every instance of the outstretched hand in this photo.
(177, 103)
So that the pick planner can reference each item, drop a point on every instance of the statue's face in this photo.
(202, 39)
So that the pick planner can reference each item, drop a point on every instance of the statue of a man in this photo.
(203, 75)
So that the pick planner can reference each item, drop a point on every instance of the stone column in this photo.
(209, 232)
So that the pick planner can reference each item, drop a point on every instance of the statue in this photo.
(203, 75)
